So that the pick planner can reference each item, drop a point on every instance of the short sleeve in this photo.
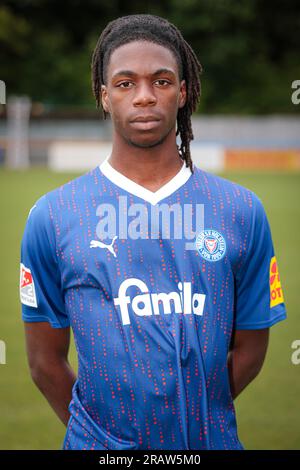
(40, 283)
(259, 301)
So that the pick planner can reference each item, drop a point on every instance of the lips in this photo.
(145, 123)
(146, 119)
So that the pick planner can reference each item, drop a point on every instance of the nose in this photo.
(144, 95)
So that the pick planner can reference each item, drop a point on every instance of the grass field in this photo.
(268, 411)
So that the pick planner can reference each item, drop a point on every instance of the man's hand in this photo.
(246, 357)
(47, 351)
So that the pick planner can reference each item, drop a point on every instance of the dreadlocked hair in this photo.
(157, 30)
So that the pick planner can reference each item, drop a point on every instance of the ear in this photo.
(104, 98)
(182, 94)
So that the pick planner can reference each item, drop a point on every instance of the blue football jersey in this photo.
(152, 284)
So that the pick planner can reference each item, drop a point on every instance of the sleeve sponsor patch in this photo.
(27, 290)
(276, 294)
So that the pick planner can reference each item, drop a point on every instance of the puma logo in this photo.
(97, 244)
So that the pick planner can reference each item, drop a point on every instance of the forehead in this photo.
(142, 58)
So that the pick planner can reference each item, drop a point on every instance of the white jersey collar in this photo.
(140, 191)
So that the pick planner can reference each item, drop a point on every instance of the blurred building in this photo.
(220, 142)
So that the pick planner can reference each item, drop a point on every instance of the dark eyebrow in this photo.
(161, 71)
(130, 73)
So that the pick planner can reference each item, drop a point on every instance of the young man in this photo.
(165, 273)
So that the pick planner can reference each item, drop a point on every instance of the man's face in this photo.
(143, 92)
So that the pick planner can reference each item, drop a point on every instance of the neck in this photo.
(149, 167)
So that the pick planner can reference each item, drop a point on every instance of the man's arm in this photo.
(47, 351)
(246, 357)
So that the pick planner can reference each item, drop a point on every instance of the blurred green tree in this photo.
(248, 49)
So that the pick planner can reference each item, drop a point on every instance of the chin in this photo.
(143, 144)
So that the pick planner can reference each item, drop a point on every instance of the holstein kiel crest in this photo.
(211, 245)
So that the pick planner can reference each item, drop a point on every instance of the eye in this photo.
(162, 82)
(126, 84)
